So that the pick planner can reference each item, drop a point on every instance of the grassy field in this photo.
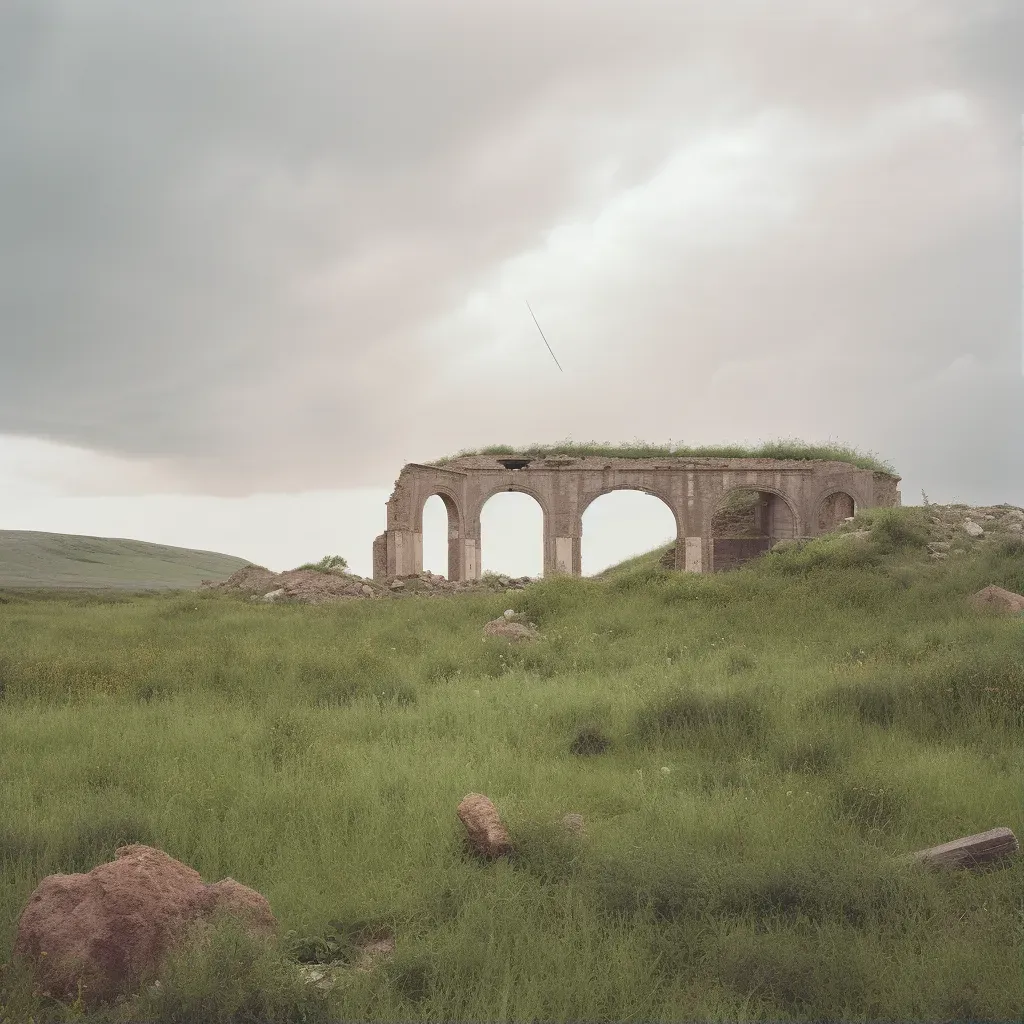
(29, 559)
(750, 751)
(783, 449)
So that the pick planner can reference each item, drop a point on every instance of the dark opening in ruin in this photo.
(514, 463)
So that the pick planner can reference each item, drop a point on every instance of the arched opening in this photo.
(435, 536)
(512, 535)
(747, 524)
(623, 524)
(834, 509)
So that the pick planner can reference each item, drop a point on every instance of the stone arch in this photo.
(476, 527)
(474, 522)
(451, 504)
(452, 544)
(588, 500)
(773, 516)
(833, 507)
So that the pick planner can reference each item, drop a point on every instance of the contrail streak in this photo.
(553, 356)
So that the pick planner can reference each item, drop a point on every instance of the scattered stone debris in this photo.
(313, 586)
(995, 598)
(508, 627)
(484, 828)
(112, 927)
(327, 976)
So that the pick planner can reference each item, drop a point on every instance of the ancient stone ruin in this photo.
(726, 510)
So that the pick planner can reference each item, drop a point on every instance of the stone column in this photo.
(470, 550)
(405, 552)
(456, 553)
(693, 554)
(563, 546)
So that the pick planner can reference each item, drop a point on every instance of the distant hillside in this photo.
(30, 560)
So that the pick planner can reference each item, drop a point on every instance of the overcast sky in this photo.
(255, 257)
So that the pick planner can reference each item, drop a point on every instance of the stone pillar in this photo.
(563, 542)
(405, 552)
(693, 555)
(456, 551)
(471, 568)
(380, 556)
(562, 556)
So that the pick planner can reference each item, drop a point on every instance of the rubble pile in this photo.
(315, 586)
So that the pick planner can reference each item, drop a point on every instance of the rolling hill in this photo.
(32, 560)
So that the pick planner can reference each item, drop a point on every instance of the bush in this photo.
(329, 563)
(896, 529)
(687, 716)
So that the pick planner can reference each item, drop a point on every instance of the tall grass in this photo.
(789, 448)
(749, 752)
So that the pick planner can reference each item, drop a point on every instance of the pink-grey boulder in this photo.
(111, 928)
(997, 599)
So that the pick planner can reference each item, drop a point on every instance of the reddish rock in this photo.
(486, 832)
(997, 599)
(112, 927)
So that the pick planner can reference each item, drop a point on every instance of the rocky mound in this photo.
(314, 586)
(952, 528)
(111, 928)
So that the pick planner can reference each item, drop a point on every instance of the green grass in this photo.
(749, 751)
(781, 449)
(29, 559)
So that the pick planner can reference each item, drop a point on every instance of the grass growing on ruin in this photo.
(748, 752)
(782, 449)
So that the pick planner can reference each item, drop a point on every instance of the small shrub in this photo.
(413, 977)
(896, 529)
(873, 807)
(590, 740)
(815, 755)
(737, 662)
(329, 563)
(687, 716)
(339, 942)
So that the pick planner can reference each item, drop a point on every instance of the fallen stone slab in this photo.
(111, 928)
(993, 598)
(986, 849)
(484, 828)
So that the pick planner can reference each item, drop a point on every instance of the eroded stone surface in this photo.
(997, 599)
(484, 827)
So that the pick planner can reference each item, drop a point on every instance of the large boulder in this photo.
(997, 599)
(111, 928)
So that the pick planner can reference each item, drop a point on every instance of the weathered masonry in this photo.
(726, 510)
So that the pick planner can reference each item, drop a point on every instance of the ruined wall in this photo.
(791, 498)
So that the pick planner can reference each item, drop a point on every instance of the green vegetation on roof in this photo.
(782, 449)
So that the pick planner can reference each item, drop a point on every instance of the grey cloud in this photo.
(228, 228)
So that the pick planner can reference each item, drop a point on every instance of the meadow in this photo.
(750, 751)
